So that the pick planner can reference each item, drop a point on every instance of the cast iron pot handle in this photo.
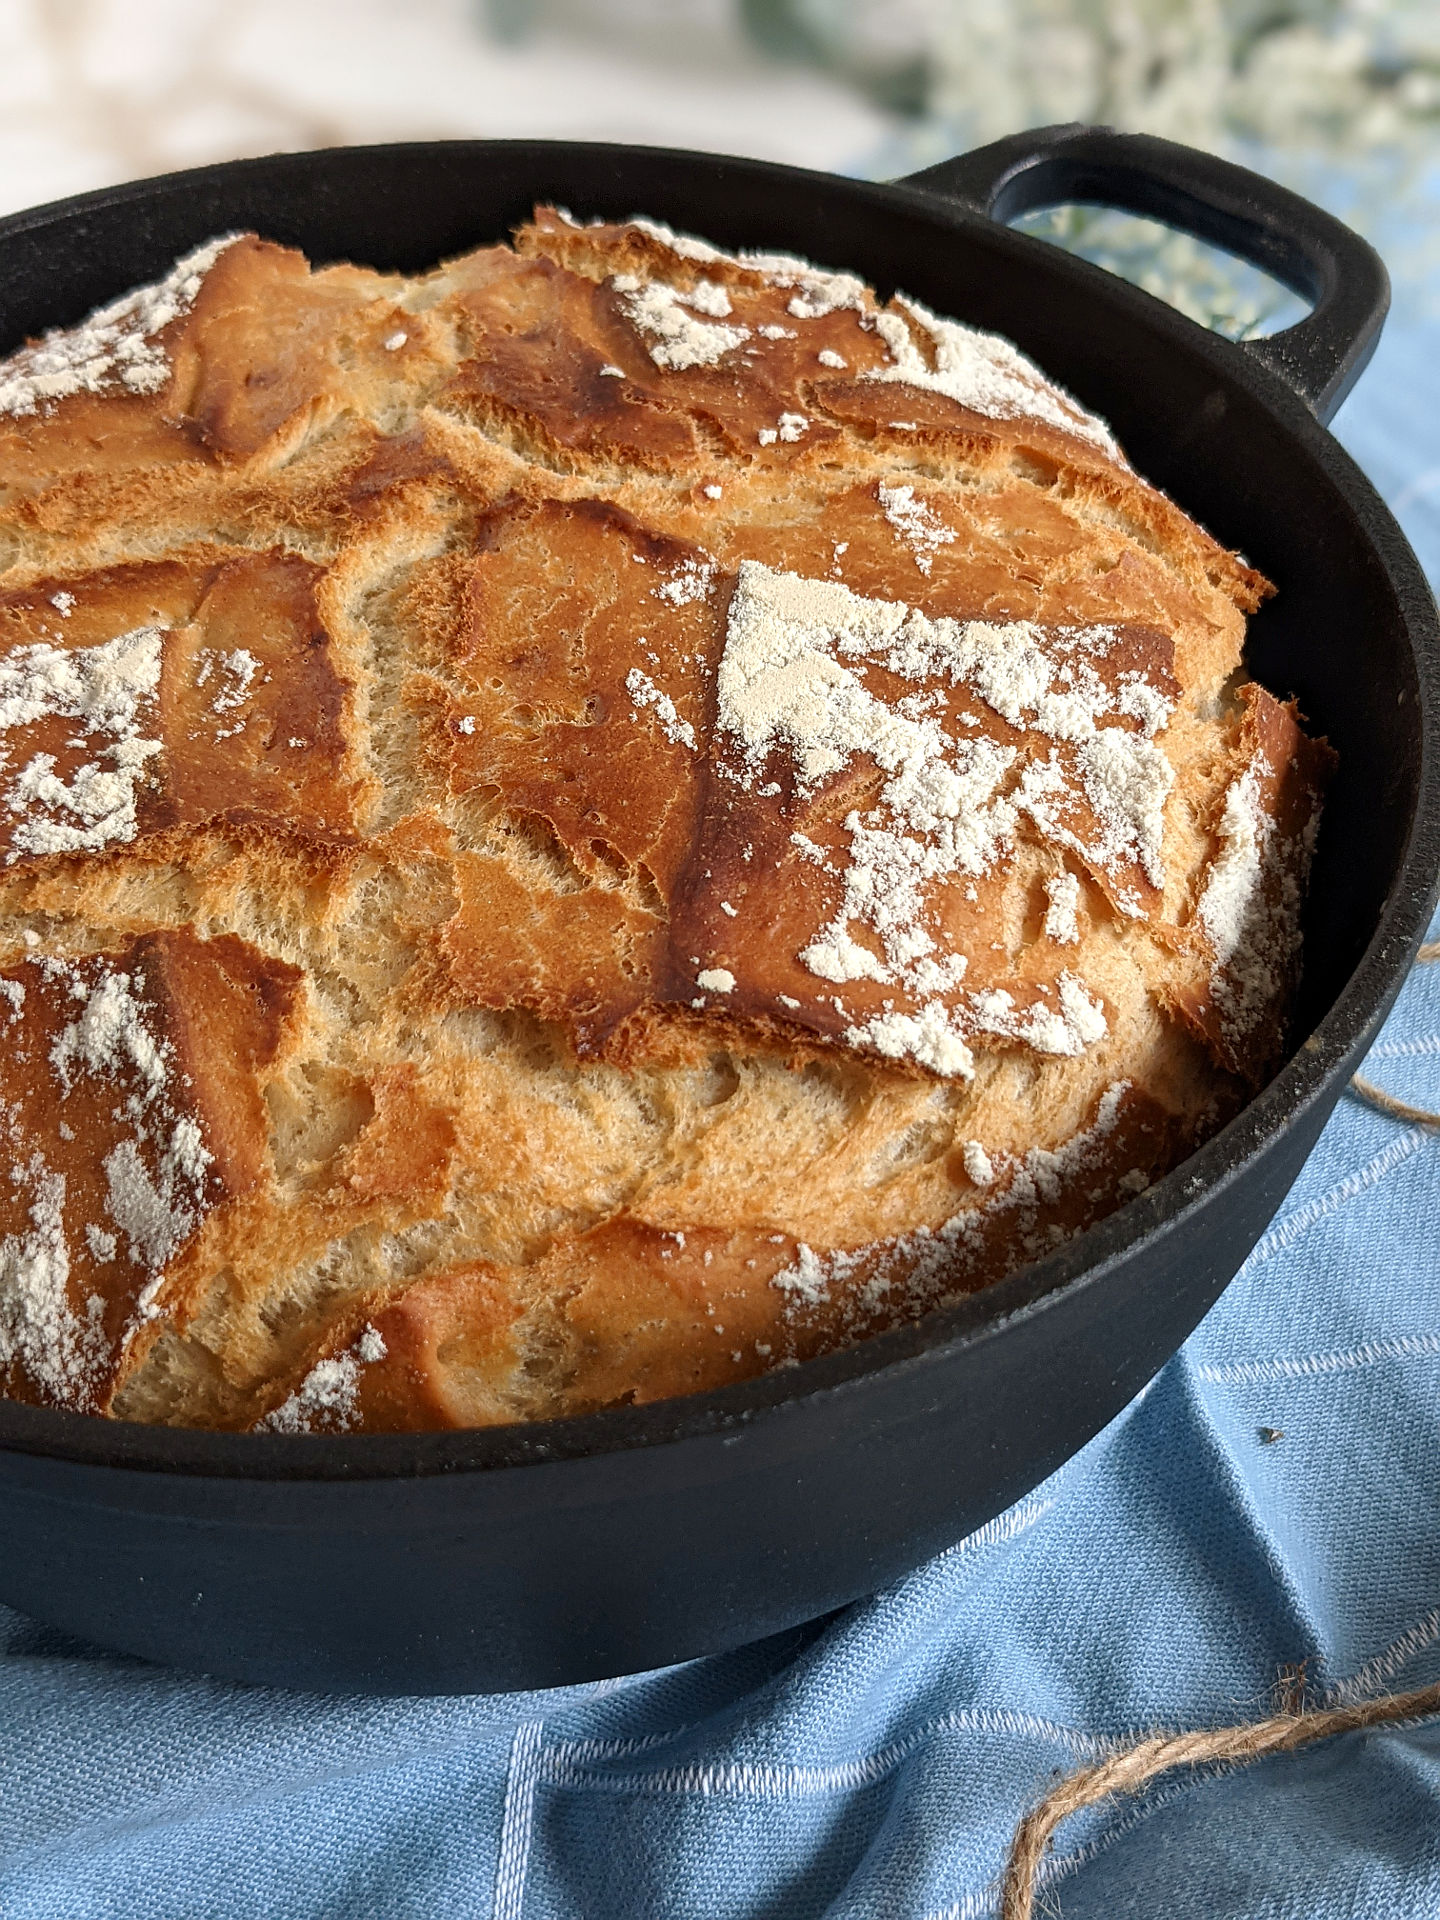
(1322, 356)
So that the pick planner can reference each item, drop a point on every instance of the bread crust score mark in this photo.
(588, 825)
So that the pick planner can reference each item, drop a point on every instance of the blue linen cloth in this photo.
(872, 1767)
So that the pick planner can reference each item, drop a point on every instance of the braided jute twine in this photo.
(1133, 1767)
(1136, 1766)
(1386, 1102)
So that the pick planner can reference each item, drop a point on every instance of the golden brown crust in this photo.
(1251, 949)
(248, 719)
(130, 1086)
(558, 1030)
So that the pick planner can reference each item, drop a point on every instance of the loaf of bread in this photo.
(590, 824)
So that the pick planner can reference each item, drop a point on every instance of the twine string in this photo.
(1386, 1102)
(1127, 1771)
(1133, 1768)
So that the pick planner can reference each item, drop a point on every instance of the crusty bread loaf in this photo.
(590, 824)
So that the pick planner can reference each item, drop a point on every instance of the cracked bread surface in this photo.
(590, 824)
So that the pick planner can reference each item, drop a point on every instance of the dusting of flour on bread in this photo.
(155, 1198)
(1061, 912)
(1017, 1186)
(978, 370)
(644, 692)
(103, 689)
(326, 1399)
(819, 289)
(677, 340)
(791, 676)
(917, 524)
(63, 1351)
(115, 349)
(1250, 909)
(155, 1177)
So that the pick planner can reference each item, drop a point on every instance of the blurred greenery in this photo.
(1225, 294)
(1339, 99)
(1341, 75)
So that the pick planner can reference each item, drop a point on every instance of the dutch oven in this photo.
(532, 1555)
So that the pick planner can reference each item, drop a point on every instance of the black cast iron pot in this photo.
(534, 1555)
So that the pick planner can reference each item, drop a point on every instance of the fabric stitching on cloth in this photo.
(1296, 1224)
(624, 1749)
(98, 1834)
(1005, 1526)
(517, 1821)
(974, 1906)
(1405, 1049)
(1259, 1551)
(773, 1781)
(1385, 1665)
(1410, 1346)
(970, 1906)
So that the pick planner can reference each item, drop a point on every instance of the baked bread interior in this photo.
(590, 824)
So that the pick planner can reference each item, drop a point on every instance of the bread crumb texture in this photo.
(591, 824)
